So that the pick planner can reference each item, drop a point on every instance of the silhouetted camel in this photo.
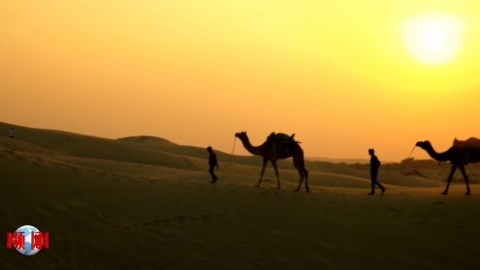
(282, 151)
(459, 157)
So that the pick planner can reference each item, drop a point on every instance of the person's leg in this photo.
(375, 182)
(379, 185)
(373, 178)
(214, 177)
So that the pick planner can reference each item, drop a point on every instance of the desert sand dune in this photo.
(112, 204)
(23, 146)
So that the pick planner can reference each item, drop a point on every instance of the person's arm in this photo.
(378, 162)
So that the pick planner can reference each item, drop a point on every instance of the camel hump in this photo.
(470, 142)
(280, 138)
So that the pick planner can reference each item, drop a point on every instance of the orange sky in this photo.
(336, 73)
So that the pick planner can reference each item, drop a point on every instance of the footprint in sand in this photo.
(116, 229)
(221, 214)
(394, 211)
(263, 193)
(162, 220)
(415, 214)
(460, 225)
(181, 217)
(442, 221)
(101, 175)
(422, 220)
(205, 217)
(75, 170)
(438, 203)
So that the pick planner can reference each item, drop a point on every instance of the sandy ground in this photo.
(146, 203)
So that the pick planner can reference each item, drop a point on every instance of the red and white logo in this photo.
(27, 240)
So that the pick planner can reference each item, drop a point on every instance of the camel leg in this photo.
(305, 172)
(465, 177)
(263, 171)
(274, 164)
(454, 167)
(301, 180)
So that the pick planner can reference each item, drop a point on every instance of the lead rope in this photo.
(411, 152)
(228, 162)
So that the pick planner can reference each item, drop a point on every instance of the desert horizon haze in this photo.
(344, 76)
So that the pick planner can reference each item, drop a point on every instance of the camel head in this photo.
(242, 135)
(424, 145)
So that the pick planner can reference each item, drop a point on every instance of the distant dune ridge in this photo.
(339, 160)
(148, 150)
(150, 199)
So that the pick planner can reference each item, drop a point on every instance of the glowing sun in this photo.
(433, 38)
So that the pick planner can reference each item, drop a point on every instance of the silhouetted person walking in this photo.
(212, 161)
(11, 133)
(374, 165)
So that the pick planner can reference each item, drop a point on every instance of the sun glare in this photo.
(433, 38)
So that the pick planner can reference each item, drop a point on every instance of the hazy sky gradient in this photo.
(336, 73)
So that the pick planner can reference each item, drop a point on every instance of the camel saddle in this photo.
(471, 142)
(281, 138)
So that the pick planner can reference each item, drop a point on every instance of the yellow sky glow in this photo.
(336, 73)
